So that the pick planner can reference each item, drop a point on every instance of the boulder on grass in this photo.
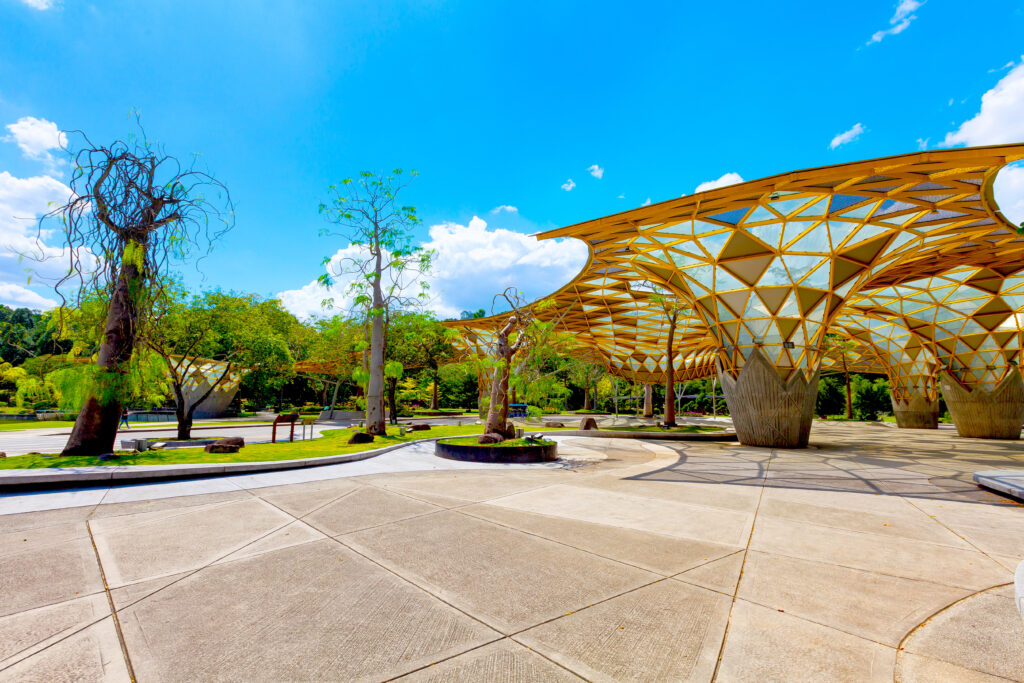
(419, 427)
(2, 454)
(588, 423)
(553, 424)
(361, 437)
(231, 441)
(491, 437)
(508, 431)
(218, 447)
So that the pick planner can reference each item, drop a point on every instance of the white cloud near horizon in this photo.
(999, 121)
(39, 4)
(507, 208)
(596, 171)
(471, 264)
(568, 185)
(1001, 117)
(37, 138)
(847, 136)
(730, 178)
(900, 20)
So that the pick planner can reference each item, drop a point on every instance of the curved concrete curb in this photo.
(131, 474)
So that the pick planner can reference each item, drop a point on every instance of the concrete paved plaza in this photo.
(869, 556)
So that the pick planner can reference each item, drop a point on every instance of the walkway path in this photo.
(870, 556)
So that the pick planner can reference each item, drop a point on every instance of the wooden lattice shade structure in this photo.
(907, 255)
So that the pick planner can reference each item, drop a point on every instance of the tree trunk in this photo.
(433, 397)
(648, 400)
(849, 397)
(392, 400)
(96, 426)
(182, 413)
(481, 391)
(497, 411)
(375, 386)
(670, 376)
(586, 397)
(334, 399)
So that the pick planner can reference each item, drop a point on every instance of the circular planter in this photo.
(489, 453)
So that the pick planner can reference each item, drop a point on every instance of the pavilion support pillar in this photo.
(981, 413)
(916, 412)
(767, 410)
(648, 400)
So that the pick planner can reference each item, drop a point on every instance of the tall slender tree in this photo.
(387, 267)
(133, 209)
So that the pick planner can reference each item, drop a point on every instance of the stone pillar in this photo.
(648, 400)
(919, 412)
(981, 413)
(766, 410)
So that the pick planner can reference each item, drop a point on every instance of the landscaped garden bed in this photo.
(508, 451)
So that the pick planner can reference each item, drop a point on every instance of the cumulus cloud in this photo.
(900, 20)
(646, 202)
(568, 185)
(36, 138)
(847, 136)
(596, 171)
(471, 264)
(508, 208)
(730, 178)
(1000, 118)
(39, 4)
(922, 143)
(22, 255)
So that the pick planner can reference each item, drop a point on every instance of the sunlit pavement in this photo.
(870, 555)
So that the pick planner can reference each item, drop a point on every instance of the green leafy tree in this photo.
(587, 375)
(367, 212)
(872, 398)
(243, 334)
(673, 308)
(831, 399)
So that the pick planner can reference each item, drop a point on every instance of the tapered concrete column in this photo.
(766, 410)
(919, 412)
(980, 413)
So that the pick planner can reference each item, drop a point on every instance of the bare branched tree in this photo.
(133, 211)
(387, 265)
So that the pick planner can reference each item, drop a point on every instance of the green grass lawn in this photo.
(35, 424)
(332, 442)
(472, 441)
(68, 424)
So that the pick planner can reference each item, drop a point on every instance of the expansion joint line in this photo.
(113, 608)
(743, 565)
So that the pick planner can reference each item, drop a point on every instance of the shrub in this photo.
(872, 398)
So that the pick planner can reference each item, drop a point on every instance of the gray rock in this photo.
(491, 437)
(361, 437)
(419, 427)
(218, 447)
(553, 423)
(230, 441)
(588, 423)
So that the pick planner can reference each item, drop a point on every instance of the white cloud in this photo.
(36, 138)
(922, 143)
(506, 208)
(39, 4)
(1000, 118)
(568, 185)
(646, 202)
(621, 196)
(730, 178)
(1008, 191)
(900, 20)
(471, 264)
(1004, 67)
(847, 136)
(596, 171)
(22, 255)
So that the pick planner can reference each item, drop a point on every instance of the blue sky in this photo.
(495, 104)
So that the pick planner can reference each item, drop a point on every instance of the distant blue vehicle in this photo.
(517, 409)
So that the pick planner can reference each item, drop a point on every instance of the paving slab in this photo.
(151, 544)
(508, 579)
(874, 606)
(92, 654)
(722, 575)
(30, 631)
(659, 553)
(505, 661)
(668, 631)
(366, 507)
(764, 644)
(983, 632)
(317, 611)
